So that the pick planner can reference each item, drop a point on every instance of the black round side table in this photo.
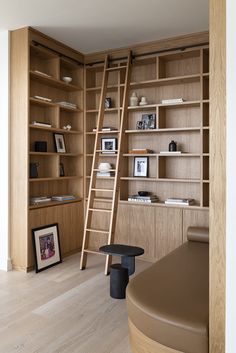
(119, 275)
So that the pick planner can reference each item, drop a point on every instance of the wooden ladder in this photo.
(97, 150)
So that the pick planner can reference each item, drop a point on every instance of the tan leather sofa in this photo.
(168, 304)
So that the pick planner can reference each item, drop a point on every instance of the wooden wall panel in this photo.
(217, 174)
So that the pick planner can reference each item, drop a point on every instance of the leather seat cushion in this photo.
(169, 302)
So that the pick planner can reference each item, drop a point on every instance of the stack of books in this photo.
(63, 198)
(106, 174)
(140, 151)
(180, 202)
(42, 73)
(106, 128)
(68, 105)
(43, 98)
(172, 101)
(41, 123)
(170, 152)
(145, 199)
(39, 199)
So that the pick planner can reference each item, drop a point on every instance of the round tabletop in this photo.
(121, 250)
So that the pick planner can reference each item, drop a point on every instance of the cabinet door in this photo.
(141, 229)
(168, 230)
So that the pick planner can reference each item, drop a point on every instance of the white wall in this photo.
(5, 263)
(231, 180)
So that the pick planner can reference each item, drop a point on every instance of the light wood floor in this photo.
(62, 310)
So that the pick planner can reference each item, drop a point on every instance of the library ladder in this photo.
(113, 192)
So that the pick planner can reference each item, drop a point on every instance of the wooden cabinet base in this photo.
(143, 344)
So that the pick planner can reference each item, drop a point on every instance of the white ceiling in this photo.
(94, 25)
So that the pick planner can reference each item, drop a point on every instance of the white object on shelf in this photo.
(170, 152)
(42, 73)
(174, 100)
(67, 79)
(43, 98)
(143, 101)
(104, 167)
(134, 100)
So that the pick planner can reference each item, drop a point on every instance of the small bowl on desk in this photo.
(67, 79)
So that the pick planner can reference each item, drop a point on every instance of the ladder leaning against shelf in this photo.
(93, 189)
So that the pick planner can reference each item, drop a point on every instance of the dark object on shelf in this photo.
(139, 125)
(107, 103)
(148, 121)
(46, 245)
(62, 171)
(143, 193)
(34, 170)
(172, 146)
(119, 280)
(127, 254)
(40, 146)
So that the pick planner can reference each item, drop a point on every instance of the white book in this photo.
(174, 100)
(42, 73)
(43, 98)
(38, 123)
(40, 200)
(170, 152)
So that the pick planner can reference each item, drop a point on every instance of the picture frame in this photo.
(108, 145)
(59, 143)
(148, 122)
(61, 170)
(107, 103)
(141, 167)
(46, 244)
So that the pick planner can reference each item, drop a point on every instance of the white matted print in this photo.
(141, 167)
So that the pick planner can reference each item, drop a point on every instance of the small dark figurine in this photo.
(172, 146)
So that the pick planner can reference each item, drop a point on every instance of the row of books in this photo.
(62, 103)
(41, 199)
(154, 199)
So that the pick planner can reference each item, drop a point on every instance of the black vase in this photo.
(172, 146)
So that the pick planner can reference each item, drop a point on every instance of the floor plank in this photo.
(62, 310)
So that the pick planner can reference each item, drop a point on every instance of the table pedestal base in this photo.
(119, 278)
(129, 263)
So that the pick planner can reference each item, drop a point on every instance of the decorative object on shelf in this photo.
(107, 103)
(133, 100)
(180, 202)
(108, 145)
(148, 121)
(104, 167)
(43, 98)
(41, 123)
(62, 198)
(61, 170)
(67, 127)
(40, 146)
(143, 101)
(139, 125)
(141, 165)
(145, 199)
(67, 79)
(140, 151)
(143, 193)
(42, 73)
(172, 101)
(60, 143)
(39, 199)
(46, 245)
(34, 170)
(172, 146)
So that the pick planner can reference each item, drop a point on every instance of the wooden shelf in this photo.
(162, 204)
(161, 180)
(103, 132)
(53, 129)
(171, 105)
(36, 180)
(161, 155)
(151, 131)
(110, 110)
(53, 203)
(53, 82)
(40, 102)
(45, 154)
(109, 88)
(165, 81)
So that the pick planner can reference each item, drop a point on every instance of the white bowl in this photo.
(104, 167)
(67, 79)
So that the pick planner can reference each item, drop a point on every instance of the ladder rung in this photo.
(106, 190)
(97, 231)
(116, 68)
(94, 252)
(99, 210)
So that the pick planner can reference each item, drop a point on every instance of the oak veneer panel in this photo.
(194, 218)
(168, 230)
(19, 146)
(122, 225)
(70, 221)
(217, 174)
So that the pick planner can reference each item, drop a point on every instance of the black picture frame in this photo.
(60, 145)
(46, 247)
(141, 163)
(108, 145)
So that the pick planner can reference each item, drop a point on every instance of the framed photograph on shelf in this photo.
(46, 245)
(141, 167)
(107, 103)
(60, 143)
(148, 121)
(109, 145)
(61, 170)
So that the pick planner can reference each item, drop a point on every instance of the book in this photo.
(39, 199)
(105, 174)
(42, 73)
(174, 100)
(41, 123)
(63, 197)
(141, 199)
(140, 151)
(108, 128)
(176, 201)
(170, 152)
(67, 104)
(43, 98)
